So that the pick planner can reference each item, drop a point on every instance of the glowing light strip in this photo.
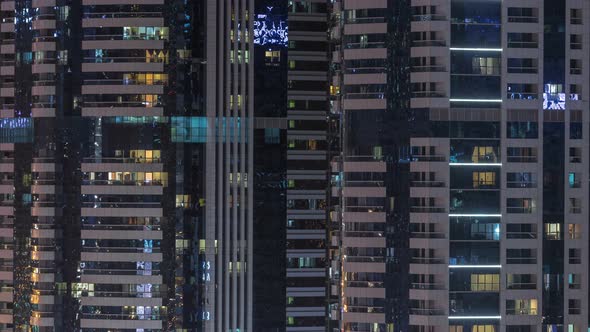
(475, 215)
(475, 317)
(475, 266)
(475, 164)
(475, 49)
(476, 100)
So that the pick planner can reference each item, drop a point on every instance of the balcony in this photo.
(521, 184)
(428, 184)
(428, 157)
(522, 95)
(523, 19)
(521, 235)
(428, 235)
(427, 260)
(428, 18)
(523, 44)
(431, 69)
(427, 286)
(520, 209)
(521, 159)
(427, 312)
(428, 94)
(427, 209)
(429, 43)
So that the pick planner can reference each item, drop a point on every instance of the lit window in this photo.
(484, 179)
(521, 307)
(485, 282)
(552, 231)
(484, 154)
(183, 201)
(483, 328)
(574, 231)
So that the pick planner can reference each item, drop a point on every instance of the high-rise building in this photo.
(489, 155)
(370, 176)
(163, 165)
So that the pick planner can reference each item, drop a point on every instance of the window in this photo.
(484, 179)
(520, 180)
(147, 33)
(574, 180)
(522, 155)
(576, 42)
(575, 256)
(521, 307)
(483, 328)
(575, 155)
(145, 78)
(485, 282)
(575, 205)
(574, 281)
(520, 205)
(272, 135)
(520, 281)
(483, 154)
(574, 307)
(574, 231)
(183, 201)
(521, 256)
(552, 231)
(575, 16)
(272, 57)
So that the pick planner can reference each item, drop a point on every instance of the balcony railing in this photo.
(427, 184)
(428, 157)
(428, 235)
(523, 44)
(424, 285)
(428, 94)
(523, 19)
(422, 69)
(519, 209)
(427, 209)
(427, 260)
(429, 43)
(520, 184)
(522, 159)
(428, 18)
(426, 312)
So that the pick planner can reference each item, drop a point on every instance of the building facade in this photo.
(369, 209)
(477, 110)
(163, 165)
(499, 233)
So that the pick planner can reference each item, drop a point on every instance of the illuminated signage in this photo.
(270, 29)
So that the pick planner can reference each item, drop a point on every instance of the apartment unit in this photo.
(499, 230)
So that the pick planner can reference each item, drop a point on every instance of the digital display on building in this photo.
(553, 101)
(271, 29)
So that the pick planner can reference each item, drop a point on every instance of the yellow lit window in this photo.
(483, 328)
(483, 179)
(183, 201)
(483, 154)
(485, 282)
(455, 328)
